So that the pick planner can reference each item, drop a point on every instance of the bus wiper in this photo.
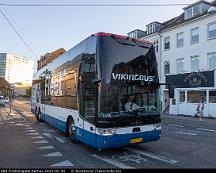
(124, 42)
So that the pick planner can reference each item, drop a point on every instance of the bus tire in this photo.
(71, 130)
(39, 116)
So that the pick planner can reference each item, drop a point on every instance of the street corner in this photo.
(6, 113)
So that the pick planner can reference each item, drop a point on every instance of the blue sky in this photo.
(46, 29)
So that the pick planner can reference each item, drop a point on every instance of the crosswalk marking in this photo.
(210, 130)
(113, 162)
(46, 147)
(37, 137)
(65, 163)
(144, 153)
(55, 154)
(41, 142)
(32, 134)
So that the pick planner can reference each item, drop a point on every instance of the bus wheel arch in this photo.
(71, 130)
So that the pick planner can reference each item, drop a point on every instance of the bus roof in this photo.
(121, 36)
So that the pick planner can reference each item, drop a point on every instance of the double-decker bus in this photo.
(103, 92)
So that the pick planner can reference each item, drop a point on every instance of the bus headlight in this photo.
(107, 131)
(157, 126)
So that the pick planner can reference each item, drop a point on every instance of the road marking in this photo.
(41, 142)
(33, 133)
(59, 139)
(65, 163)
(55, 154)
(1, 123)
(186, 133)
(48, 135)
(37, 137)
(175, 125)
(47, 147)
(210, 130)
(19, 124)
(28, 130)
(153, 156)
(112, 162)
(128, 156)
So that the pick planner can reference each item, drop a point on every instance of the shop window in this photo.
(181, 96)
(212, 96)
(194, 96)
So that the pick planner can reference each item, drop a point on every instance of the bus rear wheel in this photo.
(39, 116)
(71, 130)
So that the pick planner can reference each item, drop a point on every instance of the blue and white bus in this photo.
(103, 92)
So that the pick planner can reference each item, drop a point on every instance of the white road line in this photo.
(1, 123)
(210, 130)
(55, 154)
(41, 142)
(37, 137)
(65, 163)
(19, 124)
(29, 130)
(186, 133)
(175, 125)
(48, 135)
(33, 134)
(59, 139)
(161, 158)
(113, 162)
(47, 147)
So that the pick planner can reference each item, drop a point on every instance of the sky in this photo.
(46, 29)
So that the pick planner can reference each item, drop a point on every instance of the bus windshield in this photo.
(129, 79)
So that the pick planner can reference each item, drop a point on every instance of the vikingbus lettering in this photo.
(133, 77)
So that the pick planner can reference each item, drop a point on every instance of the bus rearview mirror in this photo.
(96, 81)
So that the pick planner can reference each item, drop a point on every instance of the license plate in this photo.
(136, 140)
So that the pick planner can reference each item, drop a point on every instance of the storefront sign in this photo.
(192, 80)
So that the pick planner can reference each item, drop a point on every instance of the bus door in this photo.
(88, 101)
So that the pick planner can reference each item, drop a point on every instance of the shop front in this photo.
(189, 88)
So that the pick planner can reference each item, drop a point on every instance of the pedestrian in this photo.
(200, 108)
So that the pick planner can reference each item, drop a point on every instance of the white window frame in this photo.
(182, 60)
(165, 43)
(212, 23)
(209, 54)
(194, 56)
(180, 33)
(193, 29)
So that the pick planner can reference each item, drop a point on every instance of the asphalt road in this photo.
(185, 142)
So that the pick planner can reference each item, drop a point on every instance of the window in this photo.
(189, 13)
(180, 39)
(167, 43)
(166, 67)
(180, 65)
(181, 96)
(192, 11)
(195, 63)
(212, 96)
(212, 60)
(194, 35)
(212, 30)
(155, 44)
(194, 96)
(196, 10)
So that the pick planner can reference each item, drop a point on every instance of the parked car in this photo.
(2, 101)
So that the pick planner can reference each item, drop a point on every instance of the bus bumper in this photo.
(119, 140)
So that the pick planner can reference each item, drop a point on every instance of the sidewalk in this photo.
(5, 116)
(188, 117)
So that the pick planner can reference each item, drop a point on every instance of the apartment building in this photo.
(185, 47)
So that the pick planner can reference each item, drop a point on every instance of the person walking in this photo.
(201, 108)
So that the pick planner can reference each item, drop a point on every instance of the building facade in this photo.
(187, 58)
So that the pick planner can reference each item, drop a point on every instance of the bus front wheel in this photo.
(71, 130)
